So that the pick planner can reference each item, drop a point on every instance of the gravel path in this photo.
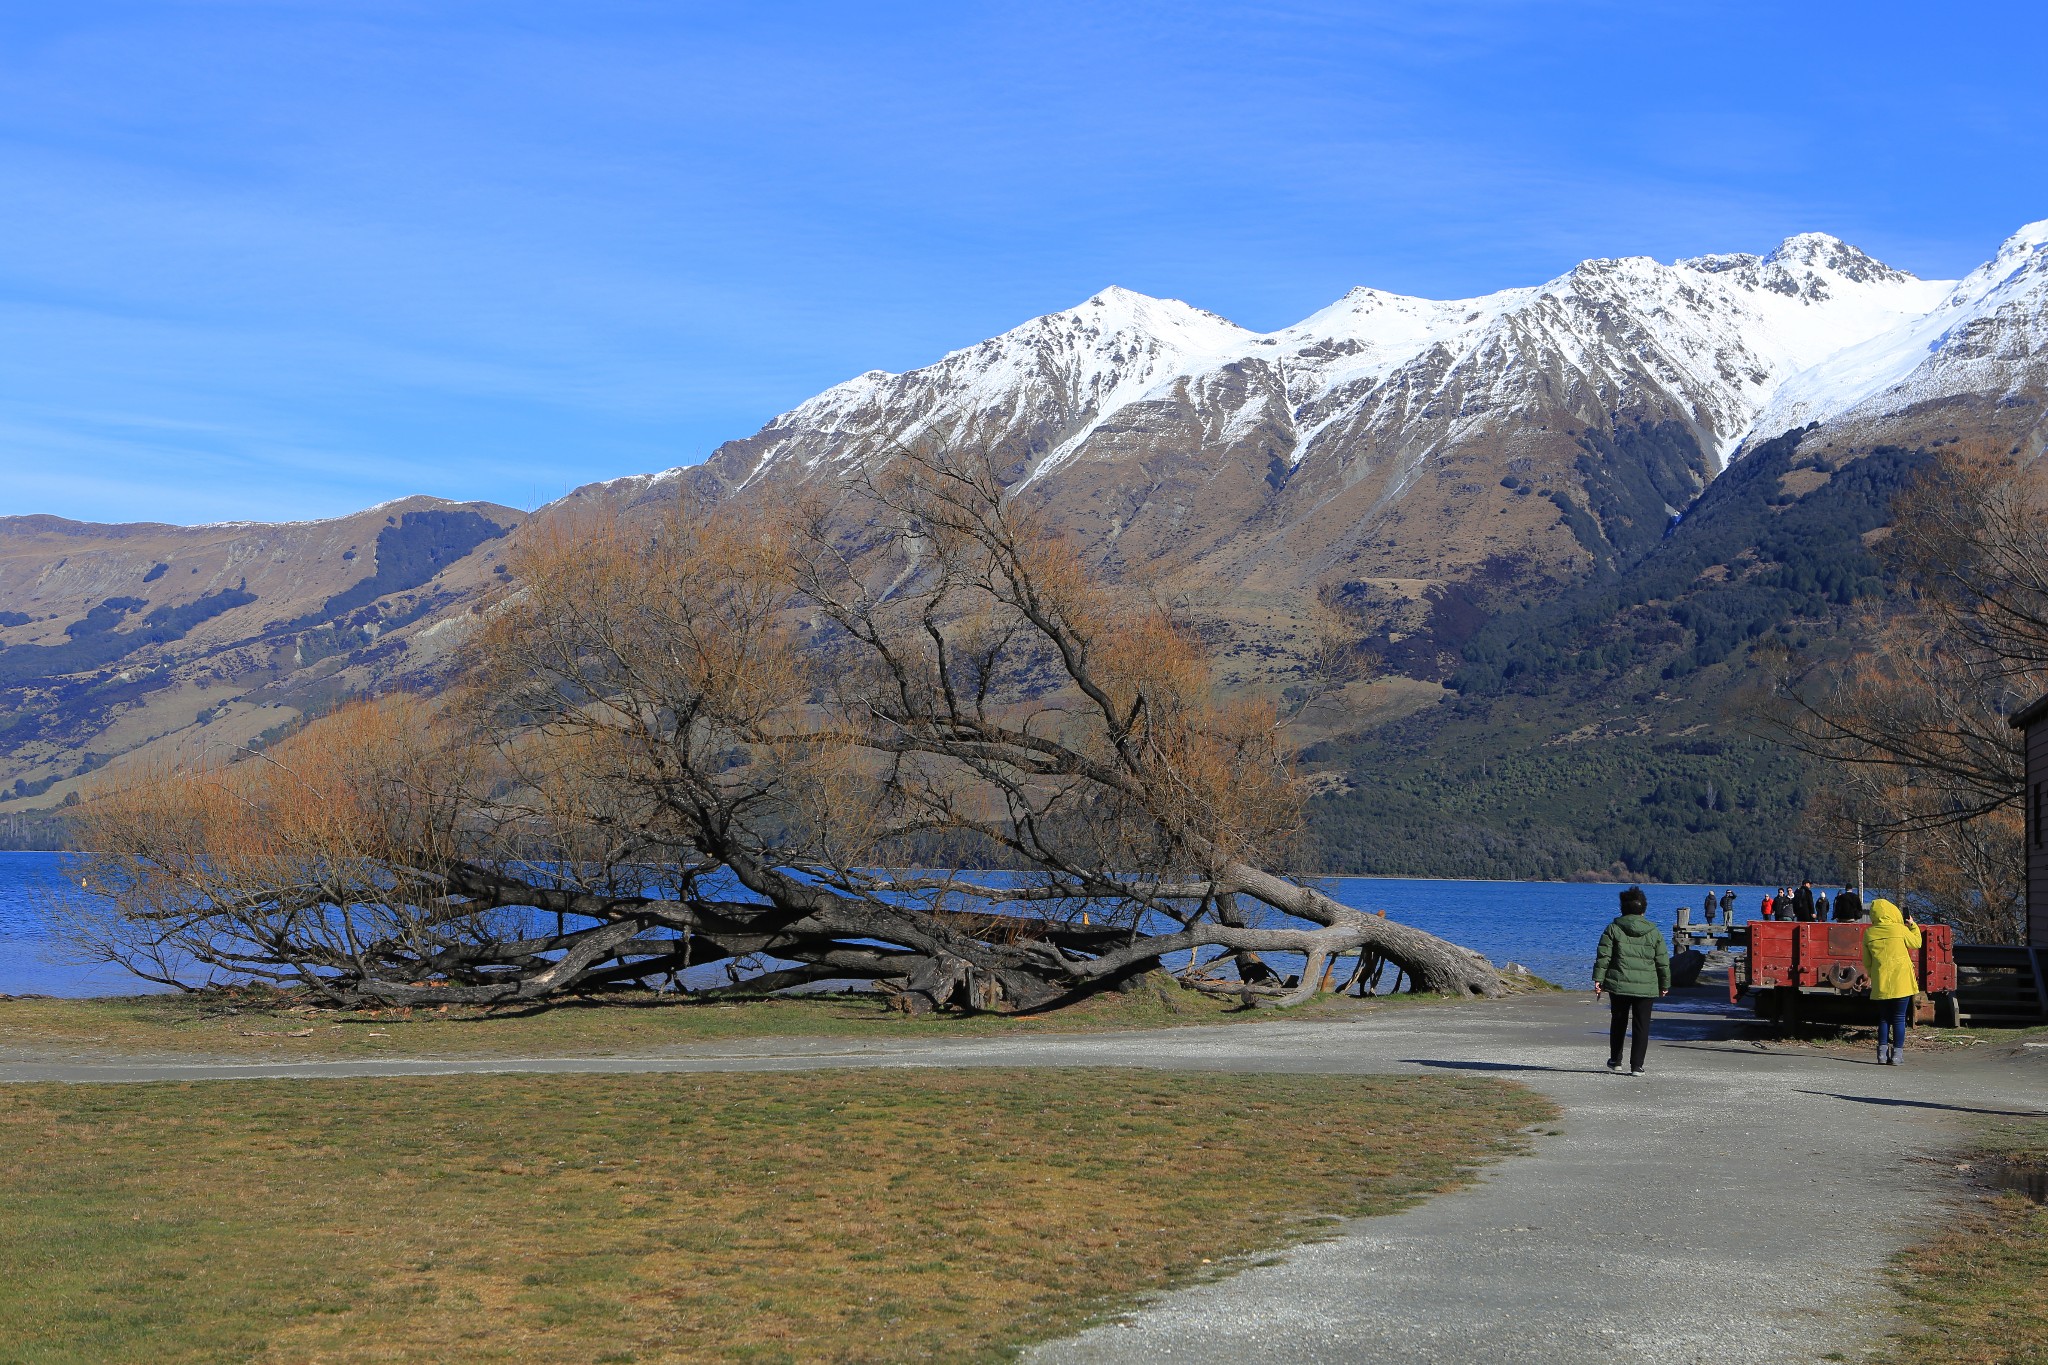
(1736, 1203)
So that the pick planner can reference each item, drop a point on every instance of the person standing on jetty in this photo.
(1888, 947)
(1633, 965)
(1802, 903)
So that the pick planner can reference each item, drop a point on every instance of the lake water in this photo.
(1548, 927)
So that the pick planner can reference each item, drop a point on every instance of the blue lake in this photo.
(1548, 927)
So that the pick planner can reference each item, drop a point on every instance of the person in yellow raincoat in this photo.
(1888, 947)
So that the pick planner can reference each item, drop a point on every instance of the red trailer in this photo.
(1796, 971)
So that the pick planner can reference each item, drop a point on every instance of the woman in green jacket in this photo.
(1633, 965)
(1888, 947)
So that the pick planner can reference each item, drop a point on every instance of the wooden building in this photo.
(2032, 723)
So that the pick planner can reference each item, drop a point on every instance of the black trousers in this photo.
(1626, 1008)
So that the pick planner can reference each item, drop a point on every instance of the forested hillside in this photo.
(1606, 732)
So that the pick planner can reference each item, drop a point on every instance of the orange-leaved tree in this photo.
(898, 735)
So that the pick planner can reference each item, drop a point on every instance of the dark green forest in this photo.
(1608, 731)
(1480, 793)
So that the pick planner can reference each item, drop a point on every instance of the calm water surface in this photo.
(32, 959)
(1548, 927)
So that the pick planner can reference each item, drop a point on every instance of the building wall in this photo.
(2037, 834)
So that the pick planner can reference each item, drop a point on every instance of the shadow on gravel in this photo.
(1893, 1102)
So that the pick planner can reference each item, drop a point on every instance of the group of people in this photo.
(1807, 905)
(1632, 967)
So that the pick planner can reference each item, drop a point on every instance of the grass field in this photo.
(1979, 1291)
(258, 1026)
(877, 1215)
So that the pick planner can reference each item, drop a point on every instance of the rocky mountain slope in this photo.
(1429, 467)
(1387, 450)
(143, 641)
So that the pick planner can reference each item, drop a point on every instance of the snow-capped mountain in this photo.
(1986, 338)
(1383, 437)
(1719, 333)
(1427, 462)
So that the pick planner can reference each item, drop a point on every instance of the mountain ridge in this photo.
(1421, 467)
(1795, 274)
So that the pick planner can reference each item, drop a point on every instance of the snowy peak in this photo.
(1032, 387)
(1728, 345)
(2018, 249)
(1987, 335)
(1092, 347)
(2016, 274)
(1716, 335)
(1368, 335)
(2032, 235)
(1812, 266)
(1119, 323)
(1118, 307)
(1819, 252)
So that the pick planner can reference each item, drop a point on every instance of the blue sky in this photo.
(288, 259)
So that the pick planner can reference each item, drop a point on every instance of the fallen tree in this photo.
(707, 741)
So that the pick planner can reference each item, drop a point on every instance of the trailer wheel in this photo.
(1948, 1011)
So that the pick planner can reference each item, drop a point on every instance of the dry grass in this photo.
(1979, 1290)
(815, 1216)
(261, 1028)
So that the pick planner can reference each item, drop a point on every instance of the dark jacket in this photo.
(1633, 958)
(1848, 906)
(1802, 904)
(1728, 906)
